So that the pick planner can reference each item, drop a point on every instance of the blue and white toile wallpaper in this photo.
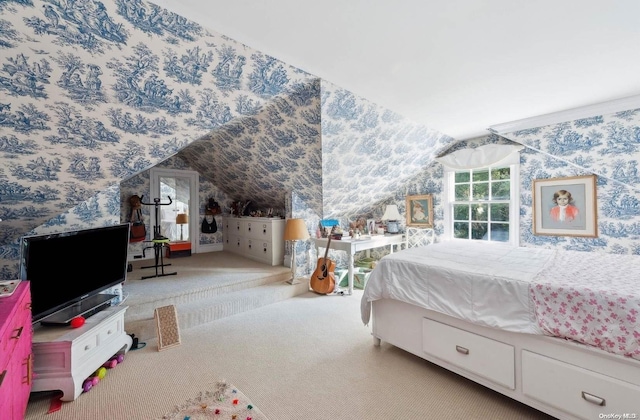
(94, 93)
(605, 145)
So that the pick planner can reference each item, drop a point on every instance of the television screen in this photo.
(65, 268)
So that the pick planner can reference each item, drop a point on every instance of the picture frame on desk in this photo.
(420, 210)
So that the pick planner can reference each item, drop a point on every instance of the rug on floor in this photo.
(223, 402)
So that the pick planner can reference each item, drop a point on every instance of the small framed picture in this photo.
(565, 206)
(420, 210)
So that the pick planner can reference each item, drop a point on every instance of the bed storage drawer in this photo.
(576, 390)
(483, 356)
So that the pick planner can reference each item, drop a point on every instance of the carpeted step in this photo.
(196, 312)
(143, 301)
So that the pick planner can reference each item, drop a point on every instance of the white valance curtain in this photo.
(482, 156)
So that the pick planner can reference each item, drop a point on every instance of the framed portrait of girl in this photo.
(420, 210)
(565, 206)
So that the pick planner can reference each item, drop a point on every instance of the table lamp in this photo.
(182, 219)
(392, 216)
(295, 230)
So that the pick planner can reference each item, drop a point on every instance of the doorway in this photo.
(178, 205)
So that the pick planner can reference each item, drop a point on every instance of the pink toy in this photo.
(110, 364)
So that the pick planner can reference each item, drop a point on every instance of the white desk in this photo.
(351, 246)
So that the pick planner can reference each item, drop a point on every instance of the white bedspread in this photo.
(591, 298)
(487, 284)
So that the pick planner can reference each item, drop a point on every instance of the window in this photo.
(482, 204)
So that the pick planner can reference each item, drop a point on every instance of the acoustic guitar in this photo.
(323, 279)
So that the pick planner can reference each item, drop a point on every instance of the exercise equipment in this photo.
(159, 241)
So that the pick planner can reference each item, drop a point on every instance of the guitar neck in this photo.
(326, 250)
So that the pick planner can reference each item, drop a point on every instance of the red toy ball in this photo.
(77, 322)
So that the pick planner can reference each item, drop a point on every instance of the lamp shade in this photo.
(391, 213)
(295, 229)
(182, 219)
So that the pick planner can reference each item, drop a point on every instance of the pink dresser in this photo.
(15, 352)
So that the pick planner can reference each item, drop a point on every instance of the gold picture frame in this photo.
(420, 210)
(565, 206)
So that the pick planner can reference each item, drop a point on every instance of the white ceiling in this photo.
(457, 66)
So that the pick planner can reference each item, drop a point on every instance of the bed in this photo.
(557, 330)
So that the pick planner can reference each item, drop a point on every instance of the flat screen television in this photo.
(68, 270)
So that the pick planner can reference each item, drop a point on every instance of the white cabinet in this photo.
(63, 357)
(258, 238)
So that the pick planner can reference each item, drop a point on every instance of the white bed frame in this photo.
(562, 378)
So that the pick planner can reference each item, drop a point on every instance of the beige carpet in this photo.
(307, 357)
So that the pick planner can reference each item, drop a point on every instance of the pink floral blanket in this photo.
(591, 298)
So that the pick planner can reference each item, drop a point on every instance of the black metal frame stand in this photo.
(158, 241)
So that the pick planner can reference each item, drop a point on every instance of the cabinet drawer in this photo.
(259, 249)
(576, 390)
(483, 356)
(234, 244)
(258, 230)
(110, 332)
(87, 345)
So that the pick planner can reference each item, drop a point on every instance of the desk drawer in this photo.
(483, 356)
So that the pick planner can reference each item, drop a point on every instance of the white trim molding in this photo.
(610, 107)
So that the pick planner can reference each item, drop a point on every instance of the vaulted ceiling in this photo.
(456, 66)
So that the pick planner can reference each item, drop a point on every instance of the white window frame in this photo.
(514, 203)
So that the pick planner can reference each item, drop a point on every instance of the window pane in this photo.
(500, 190)
(481, 191)
(460, 212)
(479, 230)
(502, 173)
(482, 208)
(462, 192)
(462, 177)
(479, 212)
(481, 175)
(500, 212)
(461, 230)
(500, 232)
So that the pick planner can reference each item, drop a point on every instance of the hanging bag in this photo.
(209, 224)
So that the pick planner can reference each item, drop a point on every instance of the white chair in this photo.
(419, 237)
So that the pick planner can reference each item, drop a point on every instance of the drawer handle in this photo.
(593, 399)
(109, 332)
(87, 347)
(29, 363)
(249, 246)
(4, 373)
(18, 332)
(462, 350)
